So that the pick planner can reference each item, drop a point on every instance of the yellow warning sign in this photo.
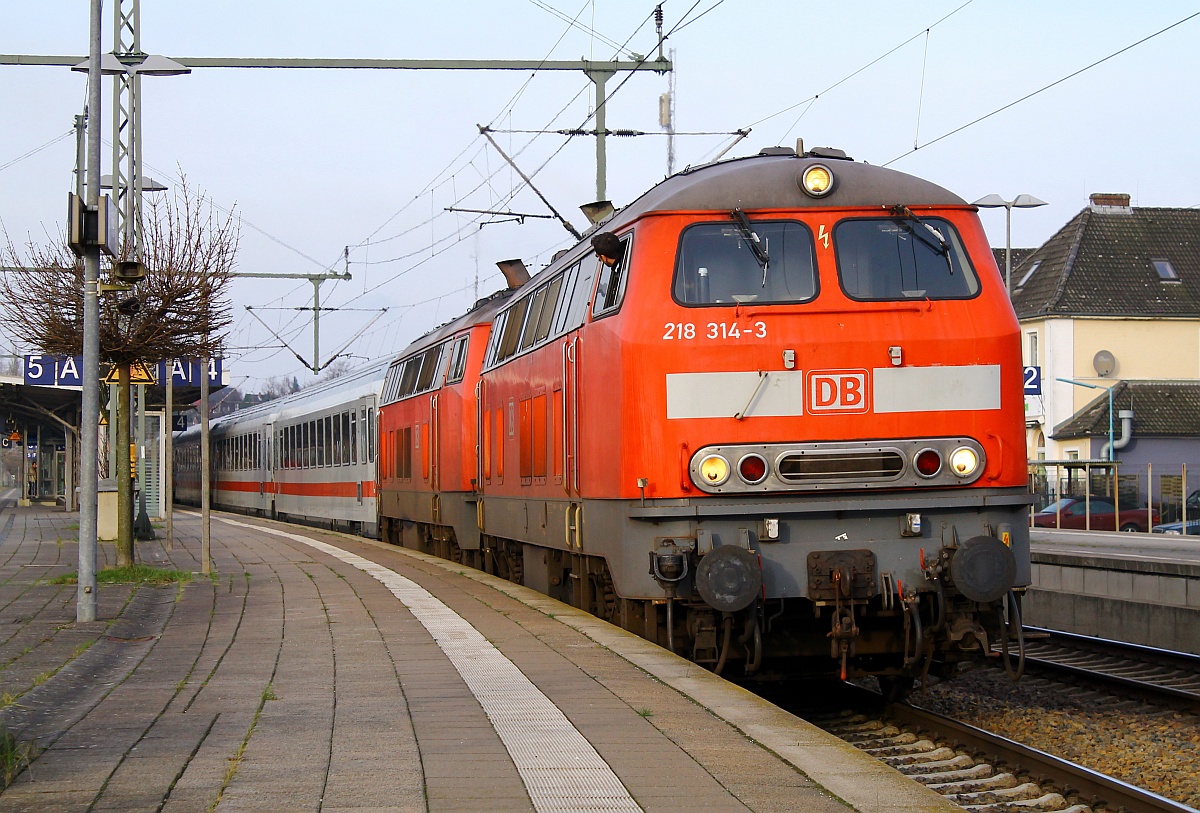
(139, 373)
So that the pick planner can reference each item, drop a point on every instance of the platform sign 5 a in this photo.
(186, 372)
(54, 371)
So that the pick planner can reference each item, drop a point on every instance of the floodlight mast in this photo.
(85, 605)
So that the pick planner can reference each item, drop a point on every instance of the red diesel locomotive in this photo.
(781, 431)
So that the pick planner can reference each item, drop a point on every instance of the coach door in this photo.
(568, 438)
(435, 452)
(266, 470)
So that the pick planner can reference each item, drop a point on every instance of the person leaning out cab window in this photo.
(608, 248)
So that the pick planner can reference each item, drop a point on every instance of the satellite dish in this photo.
(1104, 362)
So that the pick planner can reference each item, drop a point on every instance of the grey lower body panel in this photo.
(626, 532)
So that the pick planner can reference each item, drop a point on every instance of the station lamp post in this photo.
(1019, 202)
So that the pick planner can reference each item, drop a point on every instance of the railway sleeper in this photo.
(996, 781)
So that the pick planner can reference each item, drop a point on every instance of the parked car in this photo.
(1193, 528)
(1071, 512)
(1175, 525)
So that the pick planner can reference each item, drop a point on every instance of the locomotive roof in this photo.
(769, 180)
(358, 382)
(483, 311)
(772, 181)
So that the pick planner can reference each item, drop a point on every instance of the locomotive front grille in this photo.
(798, 467)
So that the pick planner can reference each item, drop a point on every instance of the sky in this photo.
(352, 170)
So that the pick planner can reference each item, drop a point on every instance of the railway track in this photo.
(979, 770)
(1171, 676)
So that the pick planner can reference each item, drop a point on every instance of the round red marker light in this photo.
(752, 469)
(928, 462)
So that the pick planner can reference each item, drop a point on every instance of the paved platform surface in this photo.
(319, 672)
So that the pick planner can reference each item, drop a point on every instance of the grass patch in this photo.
(645, 713)
(14, 755)
(134, 574)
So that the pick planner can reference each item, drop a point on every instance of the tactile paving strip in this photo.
(561, 770)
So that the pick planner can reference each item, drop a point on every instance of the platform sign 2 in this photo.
(1033, 380)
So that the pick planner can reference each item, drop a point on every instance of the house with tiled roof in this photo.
(1168, 424)
(1113, 301)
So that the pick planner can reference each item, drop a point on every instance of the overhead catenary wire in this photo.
(809, 100)
(1044, 88)
(36, 150)
(462, 229)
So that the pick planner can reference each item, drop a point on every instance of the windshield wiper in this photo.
(756, 245)
(942, 246)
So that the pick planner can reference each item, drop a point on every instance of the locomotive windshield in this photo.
(902, 258)
(718, 263)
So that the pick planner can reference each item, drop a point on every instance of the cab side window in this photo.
(613, 278)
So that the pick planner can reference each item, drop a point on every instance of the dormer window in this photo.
(1033, 268)
(1166, 272)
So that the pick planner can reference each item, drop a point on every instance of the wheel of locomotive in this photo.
(605, 601)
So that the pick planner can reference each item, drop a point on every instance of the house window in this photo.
(1166, 272)
(1033, 350)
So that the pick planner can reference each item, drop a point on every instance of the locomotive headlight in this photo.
(964, 461)
(817, 180)
(714, 470)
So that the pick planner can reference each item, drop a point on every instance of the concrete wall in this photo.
(1153, 603)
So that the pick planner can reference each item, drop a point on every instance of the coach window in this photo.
(429, 367)
(566, 300)
(536, 303)
(902, 257)
(546, 319)
(370, 434)
(510, 337)
(408, 384)
(353, 436)
(458, 363)
(731, 263)
(346, 426)
(611, 288)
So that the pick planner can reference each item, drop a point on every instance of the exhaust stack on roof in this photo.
(515, 272)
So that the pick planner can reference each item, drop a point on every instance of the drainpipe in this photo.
(1126, 416)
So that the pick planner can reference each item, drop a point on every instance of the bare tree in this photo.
(179, 310)
(335, 369)
(277, 387)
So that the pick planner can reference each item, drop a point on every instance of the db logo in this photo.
(837, 391)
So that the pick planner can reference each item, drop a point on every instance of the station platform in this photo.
(317, 671)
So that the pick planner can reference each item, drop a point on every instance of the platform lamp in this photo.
(1019, 202)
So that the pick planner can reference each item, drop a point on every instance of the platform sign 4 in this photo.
(186, 372)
